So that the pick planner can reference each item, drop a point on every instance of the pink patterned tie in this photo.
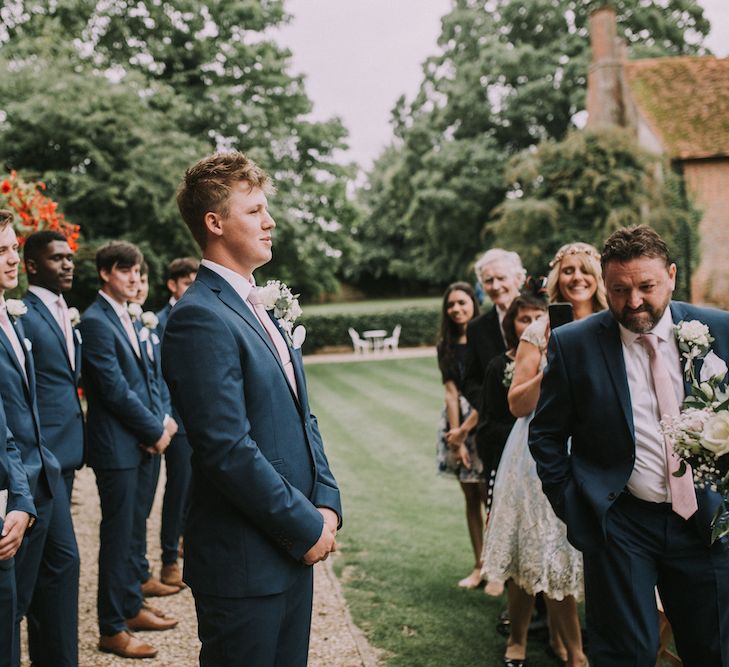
(64, 321)
(276, 338)
(10, 332)
(683, 494)
(126, 320)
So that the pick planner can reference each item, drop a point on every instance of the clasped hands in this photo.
(456, 439)
(16, 523)
(164, 441)
(327, 542)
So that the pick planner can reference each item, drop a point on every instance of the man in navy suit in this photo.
(16, 508)
(637, 525)
(181, 274)
(125, 426)
(264, 504)
(53, 614)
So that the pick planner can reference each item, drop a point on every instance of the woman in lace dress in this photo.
(456, 447)
(525, 543)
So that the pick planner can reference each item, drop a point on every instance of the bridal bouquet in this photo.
(700, 434)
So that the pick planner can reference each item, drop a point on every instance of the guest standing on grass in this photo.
(181, 273)
(456, 449)
(264, 504)
(525, 543)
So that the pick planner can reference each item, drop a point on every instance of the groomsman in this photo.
(181, 274)
(18, 393)
(16, 508)
(53, 614)
(264, 504)
(149, 471)
(126, 425)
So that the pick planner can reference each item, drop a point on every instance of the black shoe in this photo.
(514, 662)
(503, 627)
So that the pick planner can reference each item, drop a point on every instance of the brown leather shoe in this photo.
(172, 575)
(155, 610)
(126, 645)
(154, 588)
(146, 620)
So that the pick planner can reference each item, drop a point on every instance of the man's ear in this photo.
(672, 274)
(213, 223)
(104, 275)
(172, 285)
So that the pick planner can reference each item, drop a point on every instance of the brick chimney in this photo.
(604, 80)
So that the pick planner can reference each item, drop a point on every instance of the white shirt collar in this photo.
(119, 308)
(663, 329)
(239, 283)
(172, 301)
(45, 295)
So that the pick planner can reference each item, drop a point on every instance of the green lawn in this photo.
(373, 306)
(404, 543)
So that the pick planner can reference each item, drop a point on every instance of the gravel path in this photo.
(335, 640)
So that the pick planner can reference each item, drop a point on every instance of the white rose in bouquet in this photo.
(715, 436)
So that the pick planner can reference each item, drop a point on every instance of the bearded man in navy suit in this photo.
(609, 379)
(264, 506)
(18, 392)
(53, 614)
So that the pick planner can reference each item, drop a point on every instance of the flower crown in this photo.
(575, 250)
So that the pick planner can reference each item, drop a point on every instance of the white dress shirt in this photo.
(240, 284)
(648, 480)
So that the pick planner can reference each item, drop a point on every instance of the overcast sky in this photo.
(359, 56)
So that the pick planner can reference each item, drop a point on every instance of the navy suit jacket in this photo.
(124, 406)
(258, 466)
(585, 395)
(12, 473)
(21, 411)
(59, 407)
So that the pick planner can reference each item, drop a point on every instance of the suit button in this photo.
(611, 496)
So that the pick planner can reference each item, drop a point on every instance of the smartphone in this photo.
(559, 314)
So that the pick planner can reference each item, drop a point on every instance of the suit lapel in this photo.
(11, 352)
(116, 322)
(232, 299)
(51, 321)
(678, 314)
(612, 350)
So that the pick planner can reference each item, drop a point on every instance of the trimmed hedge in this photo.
(419, 327)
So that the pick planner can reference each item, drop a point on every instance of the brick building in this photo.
(677, 107)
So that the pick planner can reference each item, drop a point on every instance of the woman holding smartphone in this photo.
(525, 543)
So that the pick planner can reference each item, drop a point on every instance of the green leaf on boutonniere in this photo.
(681, 470)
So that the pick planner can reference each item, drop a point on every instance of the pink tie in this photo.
(10, 332)
(64, 321)
(129, 328)
(276, 338)
(683, 494)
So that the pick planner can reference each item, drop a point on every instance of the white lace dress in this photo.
(524, 539)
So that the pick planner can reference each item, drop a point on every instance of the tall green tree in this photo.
(509, 74)
(230, 86)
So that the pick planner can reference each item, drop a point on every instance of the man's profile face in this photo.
(121, 284)
(179, 286)
(53, 269)
(247, 227)
(639, 290)
(9, 259)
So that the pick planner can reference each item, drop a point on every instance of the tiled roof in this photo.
(685, 100)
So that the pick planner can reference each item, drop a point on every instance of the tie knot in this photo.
(649, 342)
(253, 297)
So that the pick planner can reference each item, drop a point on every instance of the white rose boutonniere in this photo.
(134, 310)
(694, 342)
(149, 320)
(16, 308)
(508, 373)
(74, 316)
(276, 296)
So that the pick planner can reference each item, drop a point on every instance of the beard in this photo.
(639, 320)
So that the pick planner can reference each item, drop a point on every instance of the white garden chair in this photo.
(360, 345)
(392, 342)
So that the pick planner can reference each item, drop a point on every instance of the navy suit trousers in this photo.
(53, 612)
(148, 478)
(120, 592)
(8, 600)
(648, 545)
(265, 631)
(177, 496)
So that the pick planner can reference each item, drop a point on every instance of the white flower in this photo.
(16, 308)
(149, 319)
(28, 344)
(508, 373)
(713, 366)
(693, 333)
(715, 436)
(74, 316)
(269, 294)
(276, 296)
(143, 335)
(134, 310)
(298, 337)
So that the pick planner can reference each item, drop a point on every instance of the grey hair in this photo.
(508, 257)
